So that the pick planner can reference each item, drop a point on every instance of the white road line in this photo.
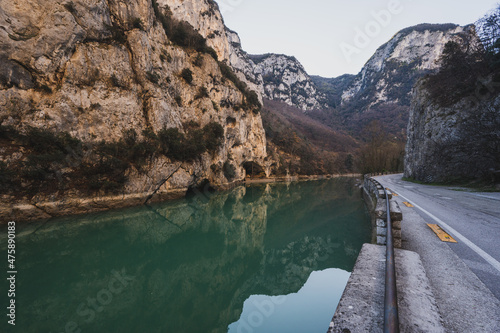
(484, 196)
(492, 261)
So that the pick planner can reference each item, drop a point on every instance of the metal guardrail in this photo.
(391, 318)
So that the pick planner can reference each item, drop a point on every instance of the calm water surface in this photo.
(264, 258)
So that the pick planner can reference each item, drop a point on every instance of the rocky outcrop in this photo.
(285, 80)
(97, 69)
(275, 77)
(391, 72)
(333, 88)
(382, 90)
(457, 142)
(205, 17)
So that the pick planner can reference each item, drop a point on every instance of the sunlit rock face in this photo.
(205, 16)
(276, 77)
(389, 75)
(381, 91)
(98, 68)
(286, 80)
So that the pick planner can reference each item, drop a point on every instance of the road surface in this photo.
(472, 218)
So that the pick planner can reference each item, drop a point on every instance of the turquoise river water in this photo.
(265, 258)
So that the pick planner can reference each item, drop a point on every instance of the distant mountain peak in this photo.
(412, 53)
(286, 80)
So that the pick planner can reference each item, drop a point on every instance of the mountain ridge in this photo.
(382, 89)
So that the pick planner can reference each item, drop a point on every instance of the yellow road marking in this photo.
(408, 204)
(441, 233)
(393, 194)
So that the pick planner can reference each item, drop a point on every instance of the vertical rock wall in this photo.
(96, 69)
(458, 142)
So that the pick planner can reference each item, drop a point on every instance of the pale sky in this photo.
(335, 37)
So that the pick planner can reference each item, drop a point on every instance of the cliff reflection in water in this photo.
(188, 264)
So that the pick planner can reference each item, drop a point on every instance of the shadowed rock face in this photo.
(98, 68)
(461, 141)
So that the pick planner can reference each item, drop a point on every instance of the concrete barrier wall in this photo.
(374, 195)
(361, 308)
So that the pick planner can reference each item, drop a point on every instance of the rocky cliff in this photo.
(460, 141)
(90, 86)
(286, 80)
(205, 17)
(275, 77)
(391, 72)
(382, 90)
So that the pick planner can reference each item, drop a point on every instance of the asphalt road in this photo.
(472, 218)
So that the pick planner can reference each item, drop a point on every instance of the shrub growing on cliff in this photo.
(178, 100)
(459, 74)
(171, 143)
(137, 23)
(153, 77)
(181, 33)
(70, 7)
(57, 161)
(8, 132)
(117, 33)
(213, 135)
(129, 149)
(7, 178)
(43, 88)
(115, 81)
(54, 161)
(210, 51)
(202, 93)
(45, 154)
(198, 61)
(177, 146)
(229, 171)
(488, 30)
(47, 142)
(187, 75)
(251, 98)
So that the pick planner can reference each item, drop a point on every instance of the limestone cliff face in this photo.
(391, 72)
(382, 90)
(98, 68)
(461, 141)
(285, 80)
(205, 16)
(275, 77)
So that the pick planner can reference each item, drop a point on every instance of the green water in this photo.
(264, 258)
